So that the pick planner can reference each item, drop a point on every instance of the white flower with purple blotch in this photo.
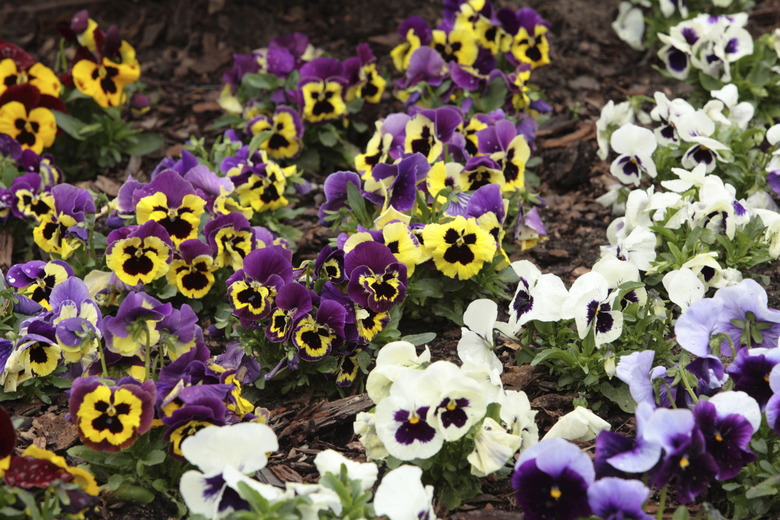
(683, 287)
(636, 246)
(405, 423)
(668, 113)
(718, 209)
(591, 304)
(224, 454)
(402, 496)
(635, 146)
(459, 401)
(538, 296)
(518, 417)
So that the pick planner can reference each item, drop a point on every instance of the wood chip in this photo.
(6, 249)
(286, 473)
(583, 133)
(59, 433)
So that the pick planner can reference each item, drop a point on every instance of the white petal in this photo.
(243, 445)
(402, 496)
(731, 402)
(330, 461)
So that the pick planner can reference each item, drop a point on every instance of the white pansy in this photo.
(392, 360)
(612, 116)
(683, 287)
(591, 303)
(518, 417)
(668, 113)
(402, 496)
(365, 429)
(538, 296)
(330, 461)
(476, 344)
(635, 146)
(493, 448)
(320, 498)
(731, 402)
(579, 425)
(630, 25)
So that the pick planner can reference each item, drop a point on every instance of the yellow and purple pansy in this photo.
(139, 254)
(253, 289)
(171, 201)
(321, 90)
(286, 130)
(111, 418)
(26, 115)
(192, 270)
(460, 247)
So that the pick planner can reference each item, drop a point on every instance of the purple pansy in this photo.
(376, 279)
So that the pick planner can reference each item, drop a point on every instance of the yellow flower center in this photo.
(452, 405)
(684, 462)
(555, 492)
(718, 437)
(414, 419)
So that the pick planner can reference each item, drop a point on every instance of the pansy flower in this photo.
(316, 336)
(402, 495)
(458, 45)
(538, 296)
(36, 279)
(252, 290)
(365, 81)
(415, 33)
(321, 90)
(591, 303)
(480, 171)
(460, 401)
(142, 255)
(78, 321)
(286, 130)
(293, 301)
(635, 146)
(405, 422)
(64, 230)
(459, 248)
(37, 352)
(172, 202)
(503, 144)
(231, 238)
(192, 272)
(530, 43)
(31, 199)
(39, 76)
(111, 418)
(26, 115)
(551, 480)
(613, 498)
(376, 279)
(105, 80)
(135, 325)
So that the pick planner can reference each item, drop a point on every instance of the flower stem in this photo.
(102, 359)
(662, 503)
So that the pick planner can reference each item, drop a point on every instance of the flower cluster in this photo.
(478, 57)
(325, 314)
(227, 456)
(287, 93)
(29, 92)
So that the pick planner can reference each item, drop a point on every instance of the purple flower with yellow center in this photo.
(111, 418)
(376, 279)
(347, 372)
(29, 199)
(262, 186)
(140, 256)
(551, 480)
(179, 331)
(460, 248)
(253, 289)
(38, 351)
(530, 43)
(286, 129)
(170, 201)
(135, 325)
(192, 271)
(330, 265)
(316, 336)
(321, 90)
(64, 230)
(396, 184)
(292, 303)
(197, 413)
(369, 323)
(231, 238)
(78, 321)
(428, 130)
(686, 464)
(727, 434)
(26, 115)
(416, 33)
(503, 144)
(36, 279)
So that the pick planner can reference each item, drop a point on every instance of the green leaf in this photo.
(419, 339)
(328, 138)
(262, 81)
(69, 124)
(358, 205)
(681, 513)
(144, 144)
(153, 458)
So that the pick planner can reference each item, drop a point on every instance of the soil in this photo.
(184, 46)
